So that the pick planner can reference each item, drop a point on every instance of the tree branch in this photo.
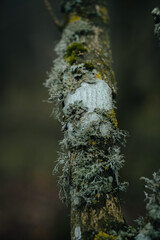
(82, 84)
(156, 16)
(52, 14)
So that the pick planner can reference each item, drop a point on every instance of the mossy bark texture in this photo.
(83, 89)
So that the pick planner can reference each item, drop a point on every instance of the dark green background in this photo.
(29, 204)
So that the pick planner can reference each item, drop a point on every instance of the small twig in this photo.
(54, 18)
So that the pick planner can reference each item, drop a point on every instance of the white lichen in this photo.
(96, 95)
(105, 128)
(77, 233)
(76, 201)
(93, 96)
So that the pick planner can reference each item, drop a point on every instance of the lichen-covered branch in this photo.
(149, 226)
(156, 16)
(52, 14)
(82, 86)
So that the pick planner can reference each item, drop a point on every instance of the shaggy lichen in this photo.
(150, 226)
(91, 176)
(128, 233)
(80, 89)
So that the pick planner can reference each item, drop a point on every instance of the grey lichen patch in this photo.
(77, 233)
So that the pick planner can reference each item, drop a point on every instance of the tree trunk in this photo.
(82, 86)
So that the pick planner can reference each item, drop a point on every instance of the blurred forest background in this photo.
(29, 204)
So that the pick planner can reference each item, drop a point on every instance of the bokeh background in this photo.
(29, 204)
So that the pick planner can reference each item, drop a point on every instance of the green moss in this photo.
(104, 236)
(72, 59)
(74, 51)
(89, 66)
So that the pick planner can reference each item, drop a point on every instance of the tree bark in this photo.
(82, 86)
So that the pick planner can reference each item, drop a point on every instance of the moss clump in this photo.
(74, 18)
(74, 51)
(72, 59)
(89, 66)
(104, 236)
